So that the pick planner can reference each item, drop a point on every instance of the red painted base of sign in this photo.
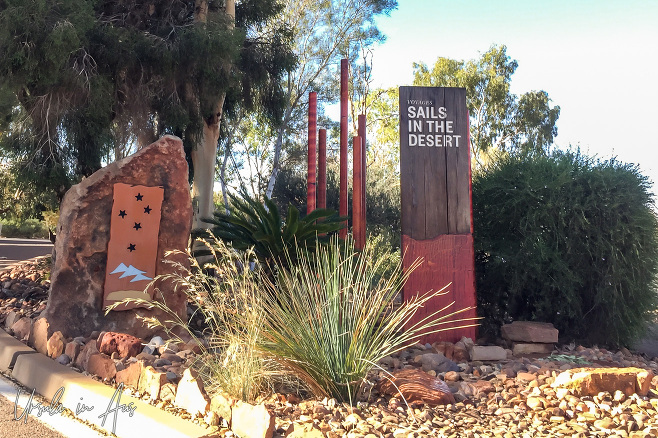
(448, 258)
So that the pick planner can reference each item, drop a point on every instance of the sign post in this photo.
(435, 182)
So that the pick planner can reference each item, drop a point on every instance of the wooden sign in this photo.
(435, 182)
(133, 247)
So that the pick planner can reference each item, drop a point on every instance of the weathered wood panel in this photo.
(435, 183)
(447, 259)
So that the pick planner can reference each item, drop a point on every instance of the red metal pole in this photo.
(362, 134)
(342, 200)
(322, 168)
(312, 159)
(358, 229)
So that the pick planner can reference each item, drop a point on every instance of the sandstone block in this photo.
(22, 328)
(520, 349)
(222, 405)
(88, 350)
(168, 392)
(191, 394)
(102, 366)
(487, 352)
(12, 317)
(39, 335)
(586, 381)
(530, 331)
(55, 345)
(72, 350)
(252, 421)
(151, 382)
(130, 375)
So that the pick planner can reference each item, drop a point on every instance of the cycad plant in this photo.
(258, 227)
(329, 325)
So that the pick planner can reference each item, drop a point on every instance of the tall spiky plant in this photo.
(330, 321)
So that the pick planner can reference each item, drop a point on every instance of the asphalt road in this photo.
(16, 250)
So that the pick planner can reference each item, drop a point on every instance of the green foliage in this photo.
(499, 119)
(569, 240)
(25, 229)
(329, 325)
(260, 227)
(79, 76)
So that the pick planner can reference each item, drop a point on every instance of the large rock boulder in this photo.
(417, 386)
(530, 331)
(591, 381)
(75, 306)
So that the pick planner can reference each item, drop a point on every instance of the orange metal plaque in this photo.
(133, 247)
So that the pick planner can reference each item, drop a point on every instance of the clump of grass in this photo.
(322, 323)
(225, 293)
(329, 325)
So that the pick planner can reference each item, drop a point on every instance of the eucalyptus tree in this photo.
(500, 120)
(322, 33)
(75, 73)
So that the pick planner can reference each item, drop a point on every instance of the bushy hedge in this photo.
(27, 229)
(566, 239)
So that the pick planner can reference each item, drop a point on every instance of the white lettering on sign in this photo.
(438, 132)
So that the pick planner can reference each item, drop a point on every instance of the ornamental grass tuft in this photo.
(319, 325)
(330, 320)
(224, 294)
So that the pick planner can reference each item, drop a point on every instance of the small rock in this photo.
(102, 366)
(63, 359)
(130, 375)
(55, 345)
(121, 343)
(22, 328)
(191, 395)
(252, 421)
(151, 381)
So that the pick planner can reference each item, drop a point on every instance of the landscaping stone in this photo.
(586, 381)
(222, 405)
(416, 385)
(521, 348)
(88, 350)
(55, 345)
(39, 335)
(75, 304)
(22, 328)
(530, 331)
(252, 421)
(72, 350)
(124, 344)
(130, 375)
(487, 353)
(102, 366)
(168, 392)
(191, 395)
(63, 359)
(151, 382)
(11, 318)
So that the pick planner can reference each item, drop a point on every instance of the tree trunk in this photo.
(205, 151)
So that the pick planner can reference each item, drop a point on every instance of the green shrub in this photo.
(569, 240)
(25, 229)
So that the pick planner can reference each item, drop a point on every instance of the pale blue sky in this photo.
(598, 60)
